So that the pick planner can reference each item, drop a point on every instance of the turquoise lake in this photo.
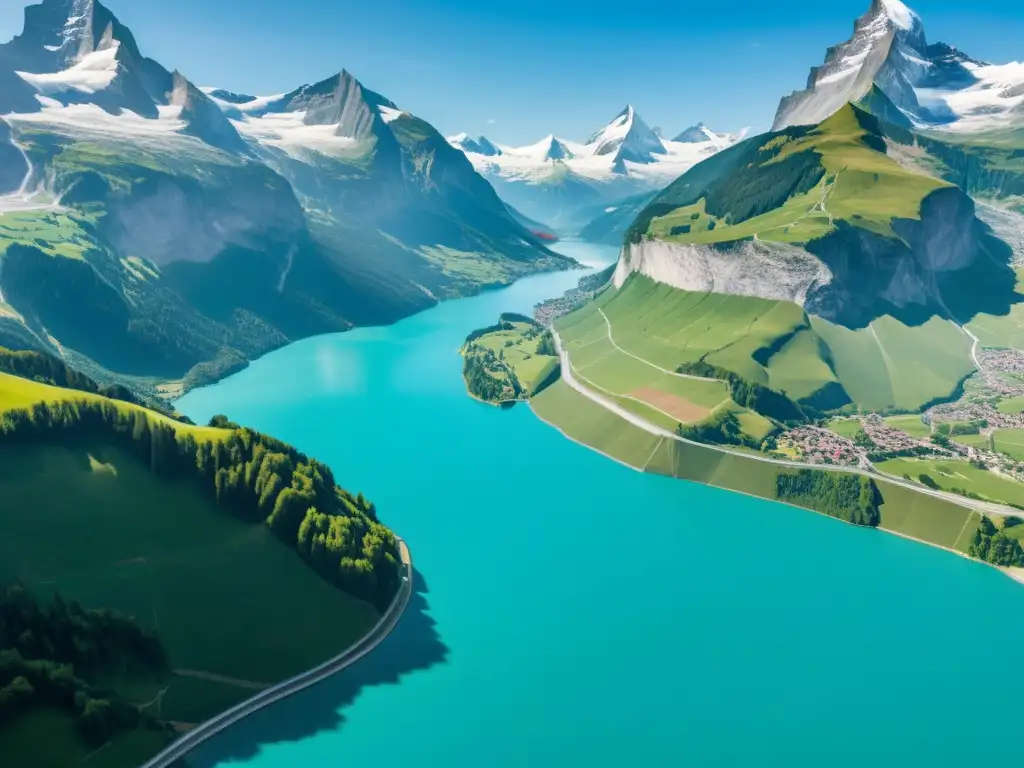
(571, 611)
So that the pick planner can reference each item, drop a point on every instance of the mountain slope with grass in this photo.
(823, 216)
(185, 529)
(157, 231)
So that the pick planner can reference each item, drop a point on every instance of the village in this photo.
(860, 441)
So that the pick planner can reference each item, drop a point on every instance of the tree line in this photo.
(849, 497)
(477, 362)
(253, 476)
(995, 546)
(748, 394)
(721, 428)
(47, 369)
(52, 655)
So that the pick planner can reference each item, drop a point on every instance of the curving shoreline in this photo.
(285, 688)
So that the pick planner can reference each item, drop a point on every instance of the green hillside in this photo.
(899, 509)
(772, 343)
(896, 239)
(186, 529)
(791, 186)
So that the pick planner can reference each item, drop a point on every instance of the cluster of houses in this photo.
(819, 446)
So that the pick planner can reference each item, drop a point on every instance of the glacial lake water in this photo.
(570, 611)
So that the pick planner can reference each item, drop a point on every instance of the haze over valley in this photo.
(303, 398)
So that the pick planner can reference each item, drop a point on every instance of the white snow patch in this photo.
(980, 106)
(611, 209)
(288, 132)
(256, 105)
(93, 73)
(388, 114)
(899, 14)
(89, 122)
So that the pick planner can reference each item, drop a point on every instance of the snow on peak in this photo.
(628, 138)
(899, 14)
(387, 114)
(696, 134)
(481, 145)
(94, 72)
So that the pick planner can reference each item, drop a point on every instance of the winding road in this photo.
(371, 640)
(638, 421)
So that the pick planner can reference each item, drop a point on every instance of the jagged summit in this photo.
(627, 137)
(898, 13)
(480, 145)
(888, 48)
(932, 84)
(555, 149)
(697, 134)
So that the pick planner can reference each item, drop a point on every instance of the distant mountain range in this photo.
(561, 181)
(154, 228)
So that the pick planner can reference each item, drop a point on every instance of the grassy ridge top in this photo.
(17, 392)
(790, 186)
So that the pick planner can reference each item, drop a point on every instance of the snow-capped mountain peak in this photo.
(933, 85)
(627, 137)
(551, 149)
(696, 134)
(898, 13)
(480, 145)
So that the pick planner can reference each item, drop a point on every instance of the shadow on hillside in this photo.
(413, 645)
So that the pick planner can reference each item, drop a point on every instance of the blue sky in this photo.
(517, 71)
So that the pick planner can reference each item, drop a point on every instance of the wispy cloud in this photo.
(491, 121)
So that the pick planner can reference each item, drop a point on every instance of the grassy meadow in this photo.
(769, 342)
(55, 233)
(16, 392)
(520, 354)
(859, 185)
(951, 474)
(1010, 442)
(911, 425)
(162, 552)
(90, 521)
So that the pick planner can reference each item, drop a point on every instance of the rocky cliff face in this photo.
(946, 264)
(747, 268)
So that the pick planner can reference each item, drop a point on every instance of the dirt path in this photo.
(608, 324)
(215, 678)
